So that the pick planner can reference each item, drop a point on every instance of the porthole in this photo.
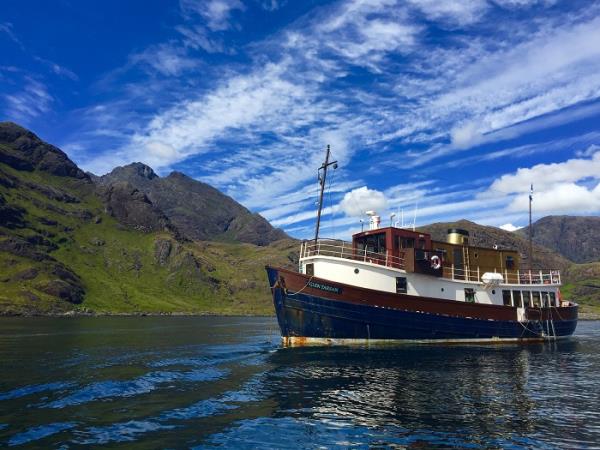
(442, 289)
(493, 291)
(356, 271)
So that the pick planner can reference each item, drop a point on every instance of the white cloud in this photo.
(197, 37)
(465, 136)
(7, 28)
(32, 101)
(546, 176)
(509, 227)
(568, 198)
(216, 13)
(356, 202)
(166, 59)
(513, 4)
(57, 69)
(457, 12)
(590, 151)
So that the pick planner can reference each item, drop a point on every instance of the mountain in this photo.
(71, 243)
(576, 238)
(197, 210)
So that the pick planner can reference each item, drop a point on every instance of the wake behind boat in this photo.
(395, 284)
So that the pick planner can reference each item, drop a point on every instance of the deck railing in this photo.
(341, 249)
(544, 276)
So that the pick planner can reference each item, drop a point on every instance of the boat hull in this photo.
(316, 311)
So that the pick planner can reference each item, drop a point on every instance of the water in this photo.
(209, 382)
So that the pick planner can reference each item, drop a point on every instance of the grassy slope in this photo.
(118, 267)
(582, 284)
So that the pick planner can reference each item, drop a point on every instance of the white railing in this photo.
(343, 249)
(544, 276)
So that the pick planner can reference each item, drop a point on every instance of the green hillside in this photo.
(60, 251)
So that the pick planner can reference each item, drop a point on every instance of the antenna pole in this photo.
(322, 180)
(530, 230)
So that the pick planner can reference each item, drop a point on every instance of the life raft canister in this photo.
(436, 262)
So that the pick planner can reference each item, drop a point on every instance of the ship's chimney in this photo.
(374, 221)
(458, 236)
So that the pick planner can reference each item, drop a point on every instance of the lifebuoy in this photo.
(436, 262)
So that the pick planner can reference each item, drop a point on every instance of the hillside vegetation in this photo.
(63, 247)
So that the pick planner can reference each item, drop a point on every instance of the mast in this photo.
(530, 230)
(322, 180)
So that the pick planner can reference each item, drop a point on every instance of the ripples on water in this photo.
(225, 382)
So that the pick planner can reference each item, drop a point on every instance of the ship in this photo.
(396, 285)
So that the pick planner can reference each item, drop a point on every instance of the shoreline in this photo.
(129, 314)
(583, 317)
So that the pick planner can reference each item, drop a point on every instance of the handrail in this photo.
(527, 277)
(344, 250)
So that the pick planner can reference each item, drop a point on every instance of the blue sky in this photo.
(454, 107)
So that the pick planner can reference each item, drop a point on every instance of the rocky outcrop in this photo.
(576, 238)
(132, 207)
(11, 216)
(23, 150)
(197, 210)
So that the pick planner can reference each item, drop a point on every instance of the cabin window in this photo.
(553, 299)
(517, 300)
(506, 298)
(407, 242)
(526, 298)
(536, 299)
(510, 262)
(469, 295)
(310, 269)
(401, 285)
(374, 243)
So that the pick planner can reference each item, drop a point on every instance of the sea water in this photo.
(226, 382)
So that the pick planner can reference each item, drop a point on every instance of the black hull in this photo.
(305, 317)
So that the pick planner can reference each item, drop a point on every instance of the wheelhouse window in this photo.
(526, 298)
(510, 262)
(401, 286)
(407, 242)
(374, 243)
(506, 298)
(469, 295)
(518, 301)
(536, 299)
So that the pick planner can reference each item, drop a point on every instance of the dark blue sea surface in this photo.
(210, 382)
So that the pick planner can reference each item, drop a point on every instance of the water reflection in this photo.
(205, 382)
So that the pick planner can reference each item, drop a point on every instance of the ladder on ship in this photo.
(466, 263)
(544, 328)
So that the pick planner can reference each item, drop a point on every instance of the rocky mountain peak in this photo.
(23, 150)
(133, 173)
